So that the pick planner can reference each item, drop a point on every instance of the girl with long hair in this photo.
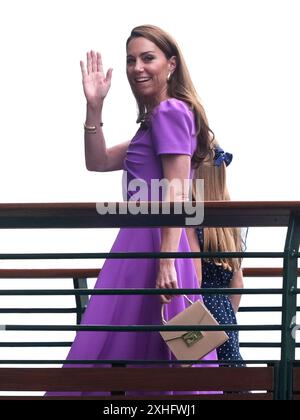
(219, 272)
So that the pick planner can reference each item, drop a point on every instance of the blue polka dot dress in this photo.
(220, 305)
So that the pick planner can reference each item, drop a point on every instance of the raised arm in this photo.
(96, 86)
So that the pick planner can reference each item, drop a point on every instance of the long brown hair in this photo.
(215, 189)
(180, 86)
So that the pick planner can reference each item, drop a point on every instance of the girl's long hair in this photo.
(215, 189)
(180, 86)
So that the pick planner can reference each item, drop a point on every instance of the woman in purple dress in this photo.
(172, 138)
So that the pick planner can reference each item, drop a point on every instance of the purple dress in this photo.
(170, 131)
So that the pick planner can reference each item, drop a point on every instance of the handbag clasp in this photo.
(192, 337)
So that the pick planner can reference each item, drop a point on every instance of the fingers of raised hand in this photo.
(89, 62)
(99, 63)
(94, 61)
(83, 72)
(109, 75)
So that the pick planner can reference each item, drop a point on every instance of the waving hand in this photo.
(95, 83)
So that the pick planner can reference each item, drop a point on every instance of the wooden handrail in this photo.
(26, 273)
(264, 272)
(126, 378)
(85, 215)
(49, 273)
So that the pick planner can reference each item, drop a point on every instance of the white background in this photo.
(243, 57)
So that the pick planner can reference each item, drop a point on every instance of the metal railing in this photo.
(84, 215)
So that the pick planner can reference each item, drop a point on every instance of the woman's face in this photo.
(147, 70)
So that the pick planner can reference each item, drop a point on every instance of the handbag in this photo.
(192, 345)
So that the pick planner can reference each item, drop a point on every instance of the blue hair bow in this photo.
(221, 156)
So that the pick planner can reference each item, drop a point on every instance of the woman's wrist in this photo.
(93, 117)
(166, 262)
(94, 109)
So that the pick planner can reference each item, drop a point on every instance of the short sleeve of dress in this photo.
(172, 128)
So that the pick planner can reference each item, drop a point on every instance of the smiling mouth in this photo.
(142, 80)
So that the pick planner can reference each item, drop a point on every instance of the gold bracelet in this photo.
(92, 129)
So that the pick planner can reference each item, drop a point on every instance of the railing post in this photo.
(289, 308)
(81, 300)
